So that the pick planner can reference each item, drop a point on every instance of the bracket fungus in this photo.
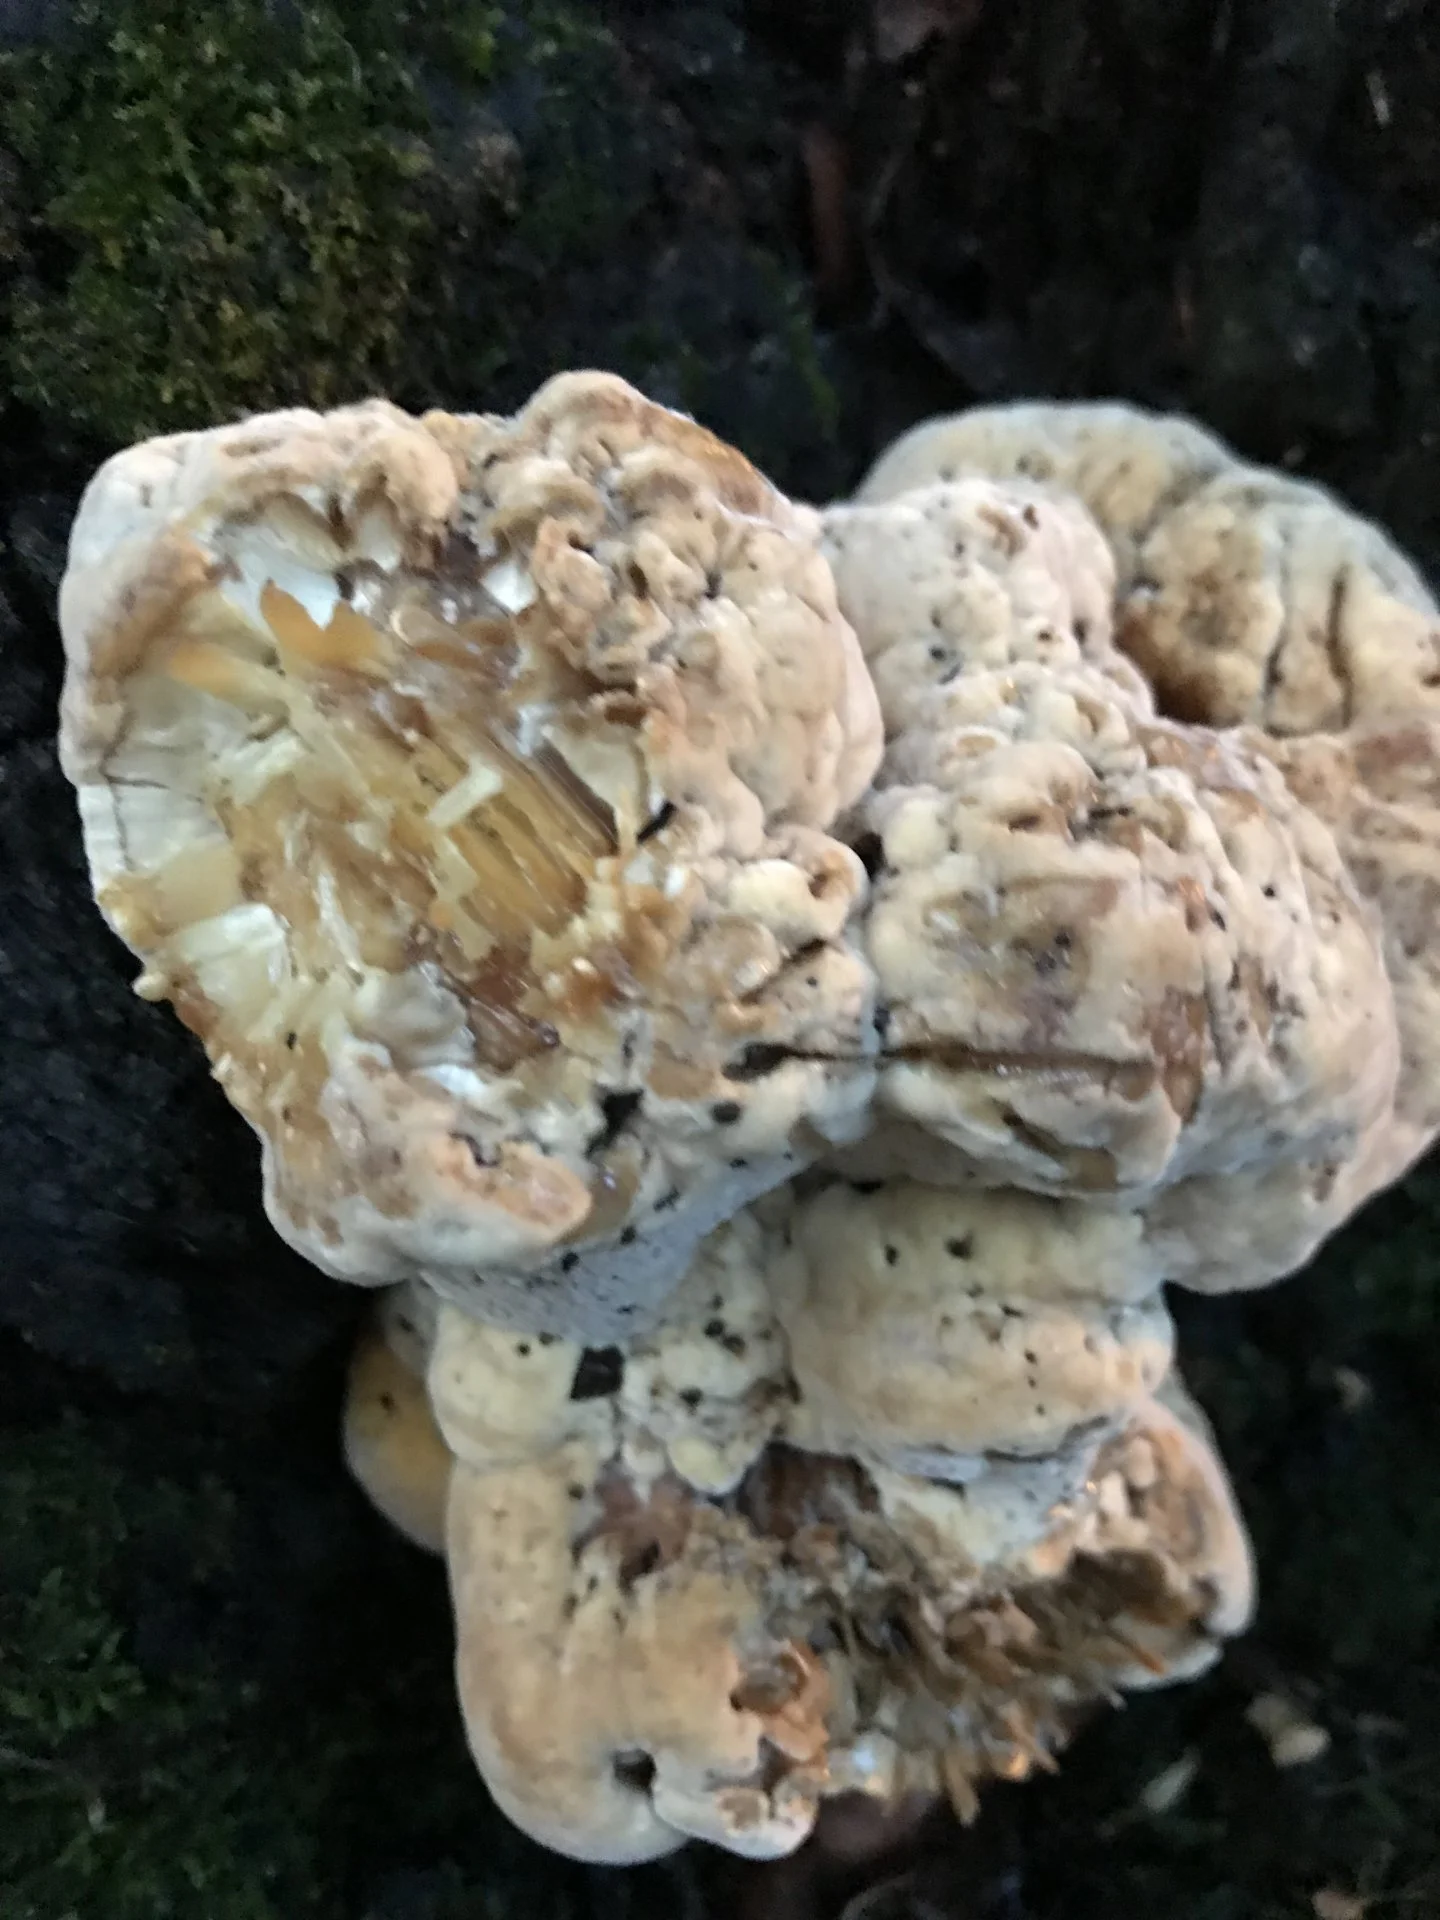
(775, 995)
(465, 785)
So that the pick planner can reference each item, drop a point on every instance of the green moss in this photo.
(227, 1693)
(228, 205)
(231, 205)
(123, 1793)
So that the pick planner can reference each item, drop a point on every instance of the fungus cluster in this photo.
(772, 996)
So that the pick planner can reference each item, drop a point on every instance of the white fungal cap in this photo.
(607, 1692)
(952, 578)
(1248, 596)
(466, 784)
(1115, 952)
(1378, 787)
(1112, 952)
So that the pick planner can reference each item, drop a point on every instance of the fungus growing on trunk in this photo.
(783, 992)
(465, 783)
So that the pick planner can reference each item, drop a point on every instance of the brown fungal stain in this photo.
(1183, 691)
(644, 1535)
(1128, 1079)
(788, 1491)
(1179, 1030)
(1087, 1169)
(1253, 987)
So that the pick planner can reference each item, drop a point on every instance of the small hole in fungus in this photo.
(637, 1565)
(870, 850)
(635, 1771)
(483, 1156)
(617, 1110)
(892, 1256)
(600, 1372)
(657, 823)
(569, 1262)
(726, 1112)
(961, 1248)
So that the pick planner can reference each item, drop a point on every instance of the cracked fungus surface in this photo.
(464, 783)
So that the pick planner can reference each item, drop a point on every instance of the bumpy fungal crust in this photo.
(639, 1665)
(972, 574)
(1249, 597)
(1243, 594)
(784, 1246)
(700, 1393)
(465, 784)
(928, 1329)
(1112, 952)
(1378, 787)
